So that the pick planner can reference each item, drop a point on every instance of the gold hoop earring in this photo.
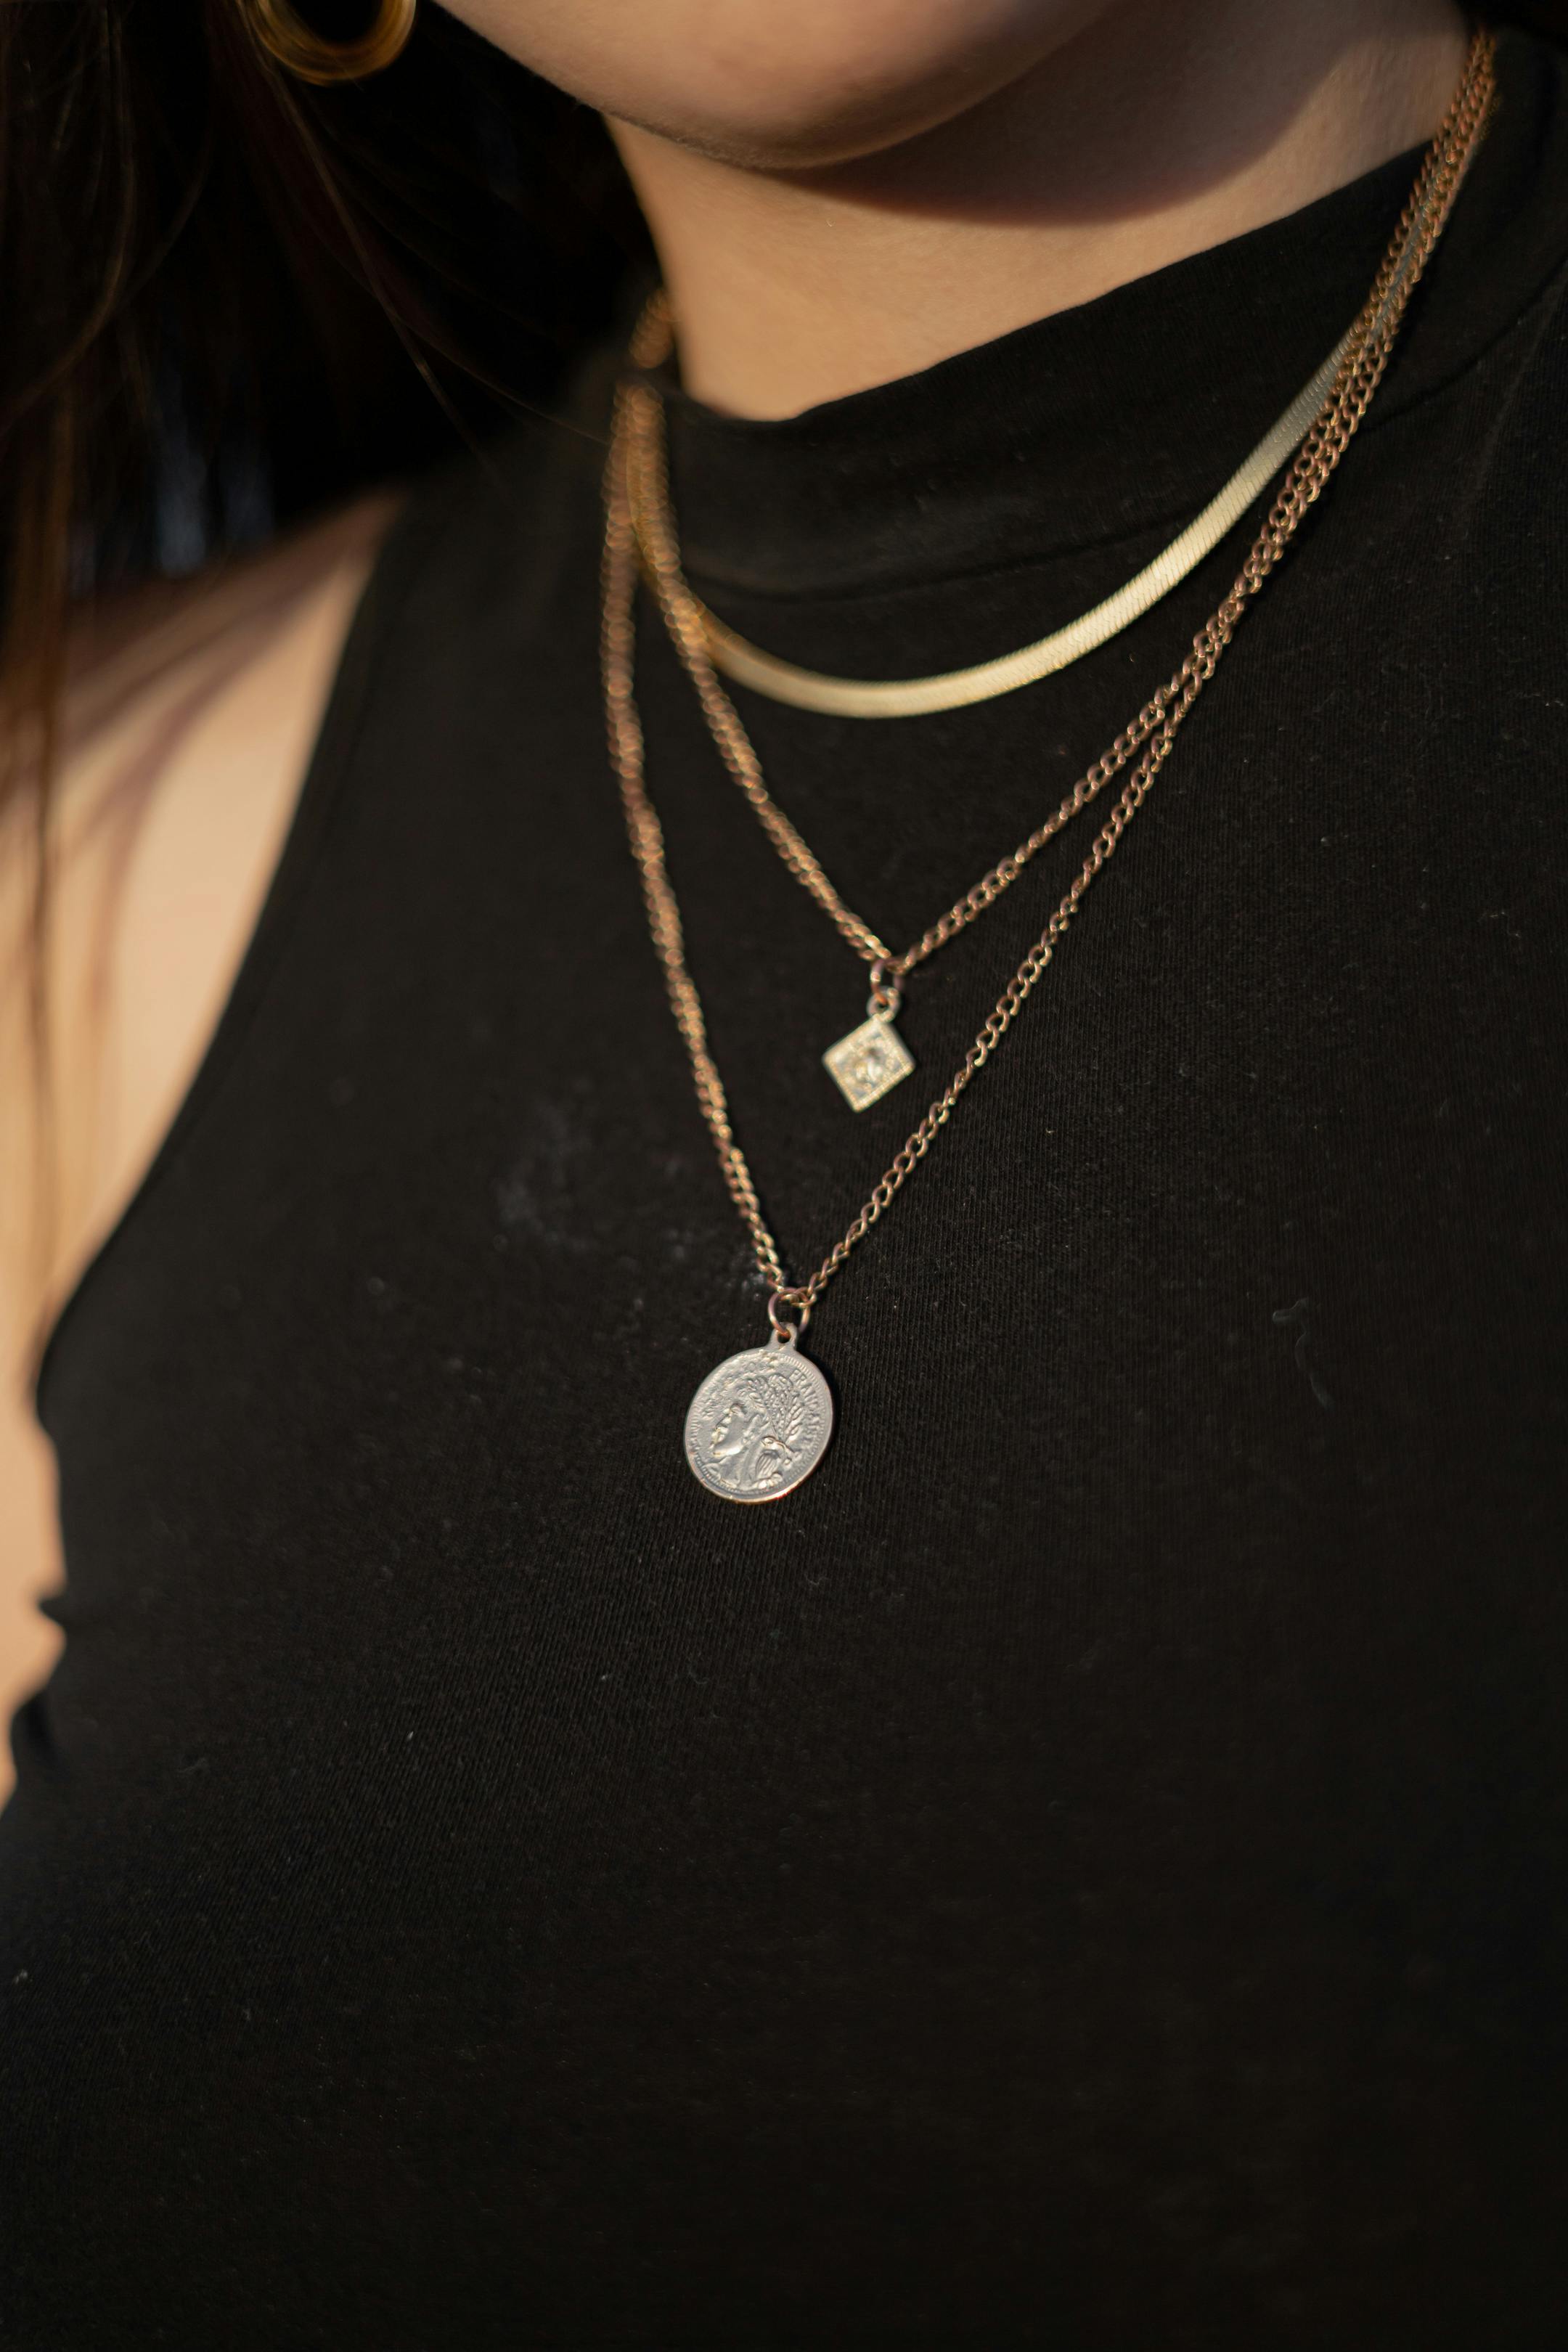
(286, 37)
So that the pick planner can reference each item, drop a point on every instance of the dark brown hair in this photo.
(230, 297)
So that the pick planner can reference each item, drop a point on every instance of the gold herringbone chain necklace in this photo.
(761, 1421)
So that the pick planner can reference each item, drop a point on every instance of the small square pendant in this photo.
(868, 1063)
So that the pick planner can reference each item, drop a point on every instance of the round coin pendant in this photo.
(758, 1424)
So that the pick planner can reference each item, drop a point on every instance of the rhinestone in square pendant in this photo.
(869, 1063)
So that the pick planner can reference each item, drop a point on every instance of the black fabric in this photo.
(1085, 1871)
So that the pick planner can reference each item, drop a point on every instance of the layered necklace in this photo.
(761, 1421)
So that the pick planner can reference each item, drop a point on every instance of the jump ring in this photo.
(785, 1331)
(886, 996)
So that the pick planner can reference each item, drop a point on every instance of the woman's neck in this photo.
(1161, 128)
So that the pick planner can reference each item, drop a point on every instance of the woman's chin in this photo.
(797, 88)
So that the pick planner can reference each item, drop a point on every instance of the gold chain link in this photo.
(637, 496)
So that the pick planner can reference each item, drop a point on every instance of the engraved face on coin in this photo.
(758, 1424)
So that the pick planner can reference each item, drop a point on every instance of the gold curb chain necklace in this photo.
(761, 1421)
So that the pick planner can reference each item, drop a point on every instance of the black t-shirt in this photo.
(1089, 1868)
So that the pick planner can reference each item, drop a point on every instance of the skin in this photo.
(845, 191)
(842, 192)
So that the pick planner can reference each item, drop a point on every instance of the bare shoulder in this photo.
(187, 727)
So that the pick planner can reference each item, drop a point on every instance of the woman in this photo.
(1080, 1859)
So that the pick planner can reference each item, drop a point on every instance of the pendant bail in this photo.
(785, 1331)
(885, 994)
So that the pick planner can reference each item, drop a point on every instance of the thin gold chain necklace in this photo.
(874, 1057)
(761, 1421)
